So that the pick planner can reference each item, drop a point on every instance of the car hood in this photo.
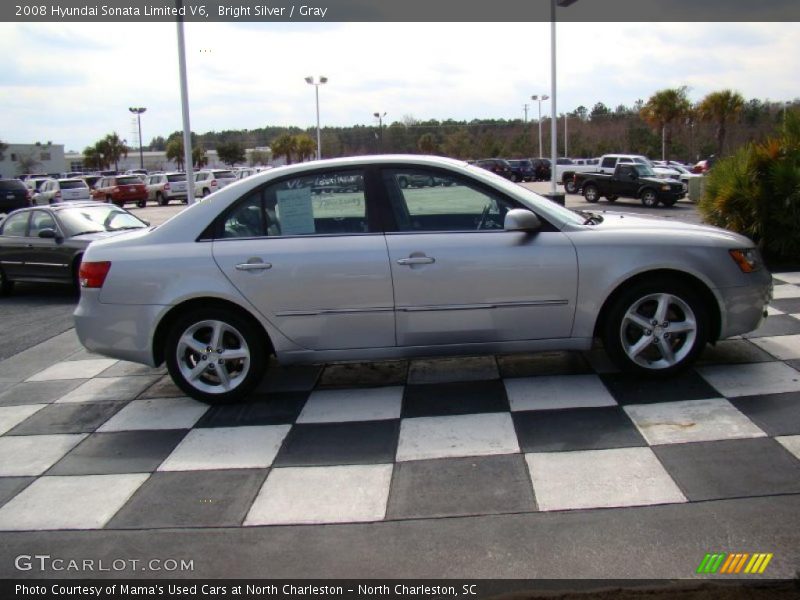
(632, 222)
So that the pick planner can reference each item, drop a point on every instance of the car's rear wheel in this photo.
(142, 203)
(591, 193)
(570, 187)
(649, 198)
(161, 200)
(6, 285)
(206, 192)
(657, 328)
(215, 355)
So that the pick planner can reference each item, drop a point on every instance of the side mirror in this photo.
(48, 233)
(519, 219)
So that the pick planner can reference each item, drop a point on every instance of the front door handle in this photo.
(416, 260)
(253, 266)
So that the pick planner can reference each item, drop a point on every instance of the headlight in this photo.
(665, 187)
(748, 259)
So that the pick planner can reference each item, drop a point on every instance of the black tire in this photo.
(636, 349)
(591, 193)
(6, 285)
(161, 200)
(206, 192)
(142, 204)
(514, 178)
(649, 198)
(570, 187)
(669, 203)
(76, 273)
(239, 335)
(612, 198)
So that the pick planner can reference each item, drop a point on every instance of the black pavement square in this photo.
(279, 408)
(384, 373)
(460, 486)
(68, 418)
(733, 352)
(119, 452)
(290, 378)
(731, 468)
(775, 414)
(543, 363)
(787, 305)
(571, 429)
(38, 392)
(776, 325)
(191, 499)
(367, 442)
(633, 389)
(11, 486)
(458, 398)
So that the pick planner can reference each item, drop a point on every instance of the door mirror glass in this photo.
(518, 219)
(47, 233)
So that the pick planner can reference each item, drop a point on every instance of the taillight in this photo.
(213, 183)
(115, 190)
(58, 195)
(93, 274)
(166, 187)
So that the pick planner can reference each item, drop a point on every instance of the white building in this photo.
(157, 160)
(19, 159)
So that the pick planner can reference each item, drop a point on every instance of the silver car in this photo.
(335, 260)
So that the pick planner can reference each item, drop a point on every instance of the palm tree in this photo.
(174, 151)
(92, 158)
(662, 109)
(305, 147)
(284, 145)
(720, 108)
(113, 148)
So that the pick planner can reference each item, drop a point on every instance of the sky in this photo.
(72, 83)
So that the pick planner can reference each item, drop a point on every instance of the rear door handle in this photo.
(416, 260)
(253, 266)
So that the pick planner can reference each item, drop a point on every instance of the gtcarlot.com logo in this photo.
(734, 563)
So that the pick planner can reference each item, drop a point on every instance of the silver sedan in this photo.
(337, 260)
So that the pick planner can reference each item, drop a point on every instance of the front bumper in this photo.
(745, 307)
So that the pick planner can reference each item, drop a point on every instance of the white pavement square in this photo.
(251, 447)
(789, 277)
(360, 404)
(11, 416)
(782, 347)
(600, 478)
(73, 369)
(779, 292)
(461, 435)
(22, 455)
(108, 388)
(554, 392)
(69, 502)
(691, 421)
(791, 443)
(733, 381)
(341, 494)
(158, 413)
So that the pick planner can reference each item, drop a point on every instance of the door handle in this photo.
(416, 260)
(253, 266)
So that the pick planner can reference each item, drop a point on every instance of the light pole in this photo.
(138, 112)
(540, 99)
(380, 116)
(316, 83)
(566, 117)
(525, 110)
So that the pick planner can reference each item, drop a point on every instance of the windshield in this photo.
(224, 175)
(72, 184)
(129, 180)
(178, 177)
(92, 219)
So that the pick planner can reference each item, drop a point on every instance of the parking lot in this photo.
(536, 466)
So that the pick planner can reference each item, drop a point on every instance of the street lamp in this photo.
(138, 112)
(380, 116)
(541, 98)
(316, 83)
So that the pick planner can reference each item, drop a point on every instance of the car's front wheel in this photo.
(657, 328)
(215, 355)
(649, 199)
(569, 186)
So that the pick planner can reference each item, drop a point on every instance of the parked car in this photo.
(243, 172)
(497, 166)
(34, 183)
(62, 190)
(14, 194)
(684, 173)
(609, 162)
(630, 180)
(521, 169)
(45, 244)
(541, 169)
(91, 180)
(480, 266)
(208, 182)
(120, 189)
(163, 187)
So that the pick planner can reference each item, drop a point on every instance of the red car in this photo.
(120, 189)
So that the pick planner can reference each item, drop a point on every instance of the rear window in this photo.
(128, 180)
(11, 184)
(72, 185)
(179, 177)
(224, 174)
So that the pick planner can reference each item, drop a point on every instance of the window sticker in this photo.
(295, 212)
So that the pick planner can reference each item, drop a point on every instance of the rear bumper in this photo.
(120, 331)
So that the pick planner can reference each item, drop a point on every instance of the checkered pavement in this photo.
(90, 443)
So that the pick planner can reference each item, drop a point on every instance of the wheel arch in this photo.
(166, 322)
(709, 299)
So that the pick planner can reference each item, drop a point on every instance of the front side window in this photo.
(41, 220)
(330, 203)
(431, 201)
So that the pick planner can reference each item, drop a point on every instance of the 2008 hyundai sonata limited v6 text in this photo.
(336, 260)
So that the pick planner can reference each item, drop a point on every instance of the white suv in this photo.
(208, 182)
(163, 187)
(52, 191)
(608, 163)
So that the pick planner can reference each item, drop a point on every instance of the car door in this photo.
(46, 258)
(310, 262)
(460, 278)
(13, 234)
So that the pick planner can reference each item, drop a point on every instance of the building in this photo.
(157, 160)
(19, 159)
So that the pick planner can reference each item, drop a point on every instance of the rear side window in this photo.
(609, 162)
(323, 204)
(16, 225)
